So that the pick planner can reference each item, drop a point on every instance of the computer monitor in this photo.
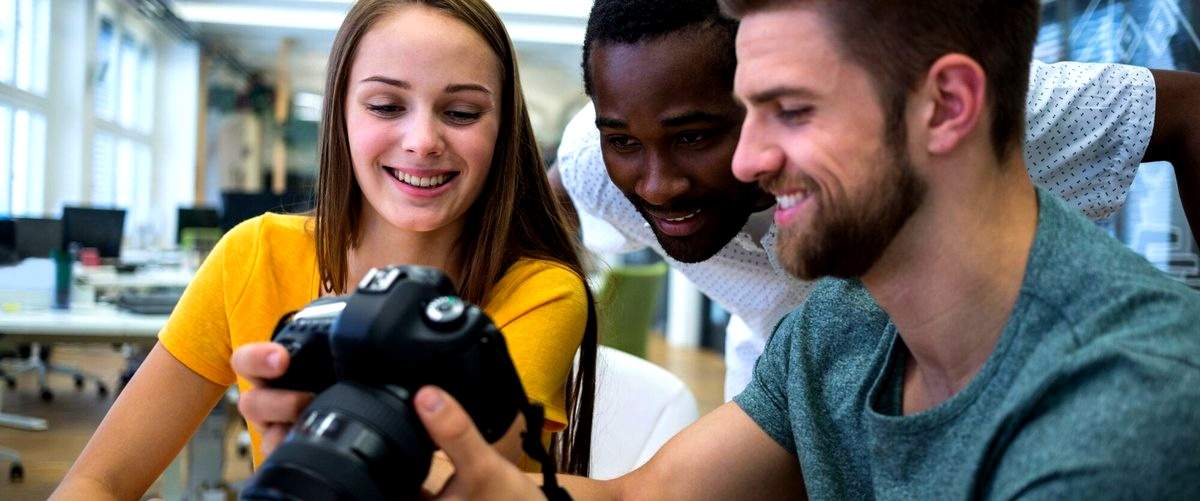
(93, 227)
(237, 207)
(36, 237)
(8, 241)
(195, 217)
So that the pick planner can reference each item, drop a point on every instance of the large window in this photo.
(1153, 33)
(24, 57)
(121, 173)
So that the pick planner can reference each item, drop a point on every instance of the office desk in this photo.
(104, 323)
(106, 278)
(87, 324)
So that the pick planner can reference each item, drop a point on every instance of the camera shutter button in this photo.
(445, 312)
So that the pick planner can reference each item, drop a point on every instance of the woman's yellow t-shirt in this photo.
(267, 266)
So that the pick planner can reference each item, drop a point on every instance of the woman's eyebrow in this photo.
(467, 87)
(388, 81)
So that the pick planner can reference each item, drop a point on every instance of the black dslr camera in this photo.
(366, 354)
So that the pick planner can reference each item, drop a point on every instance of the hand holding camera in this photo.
(365, 355)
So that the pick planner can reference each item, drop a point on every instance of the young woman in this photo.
(427, 157)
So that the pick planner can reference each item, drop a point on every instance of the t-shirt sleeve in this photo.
(1088, 126)
(197, 333)
(542, 317)
(765, 399)
(1120, 425)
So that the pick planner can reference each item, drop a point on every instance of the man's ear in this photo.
(957, 89)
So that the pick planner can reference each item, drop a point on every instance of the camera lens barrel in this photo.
(352, 442)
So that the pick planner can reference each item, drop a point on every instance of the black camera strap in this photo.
(531, 442)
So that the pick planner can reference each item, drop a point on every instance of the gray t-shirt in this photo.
(1093, 390)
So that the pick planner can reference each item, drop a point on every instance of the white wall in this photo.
(175, 133)
(70, 107)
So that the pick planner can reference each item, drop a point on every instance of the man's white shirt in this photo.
(1087, 128)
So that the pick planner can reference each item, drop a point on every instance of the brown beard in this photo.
(847, 239)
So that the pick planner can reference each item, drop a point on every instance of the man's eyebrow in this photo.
(388, 81)
(467, 87)
(611, 123)
(774, 93)
(691, 117)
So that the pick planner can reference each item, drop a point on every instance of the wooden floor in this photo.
(74, 415)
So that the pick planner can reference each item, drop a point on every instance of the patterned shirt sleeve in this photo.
(1088, 126)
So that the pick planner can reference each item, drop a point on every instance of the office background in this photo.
(1153, 33)
(153, 105)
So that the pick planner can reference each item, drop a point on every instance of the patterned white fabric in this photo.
(1088, 126)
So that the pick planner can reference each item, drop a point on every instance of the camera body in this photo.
(366, 354)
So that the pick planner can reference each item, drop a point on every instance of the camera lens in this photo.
(353, 442)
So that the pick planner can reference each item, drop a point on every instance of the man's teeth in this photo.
(790, 200)
(683, 218)
(420, 182)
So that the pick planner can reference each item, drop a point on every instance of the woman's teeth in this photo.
(790, 200)
(420, 182)
(684, 218)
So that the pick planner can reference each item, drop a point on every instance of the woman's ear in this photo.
(957, 89)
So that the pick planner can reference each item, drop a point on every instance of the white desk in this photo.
(86, 324)
(105, 277)
(106, 324)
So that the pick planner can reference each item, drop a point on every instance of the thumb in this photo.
(452, 430)
(259, 361)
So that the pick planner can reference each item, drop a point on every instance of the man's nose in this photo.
(661, 183)
(755, 158)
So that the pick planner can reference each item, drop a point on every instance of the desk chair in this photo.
(626, 305)
(37, 361)
(16, 471)
(639, 406)
(36, 238)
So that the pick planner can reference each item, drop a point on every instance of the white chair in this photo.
(639, 406)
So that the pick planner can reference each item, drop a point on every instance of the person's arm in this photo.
(144, 430)
(1176, 136)
(725, 455)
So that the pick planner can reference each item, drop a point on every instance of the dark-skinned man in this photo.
(653, 159)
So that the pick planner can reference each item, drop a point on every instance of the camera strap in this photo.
(531, 442)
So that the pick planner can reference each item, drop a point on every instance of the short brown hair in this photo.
(898, 40)
(515, 216)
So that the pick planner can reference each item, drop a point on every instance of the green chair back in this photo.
(626, 305)
(199, 239)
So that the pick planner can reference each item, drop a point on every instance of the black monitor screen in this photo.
(90, 227)
(37, 237)
(196, 217)
(238, 207)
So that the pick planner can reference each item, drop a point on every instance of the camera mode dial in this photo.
(446, 312)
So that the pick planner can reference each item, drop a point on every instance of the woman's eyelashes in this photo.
(453, 116)
(385, 110)
(463, 116)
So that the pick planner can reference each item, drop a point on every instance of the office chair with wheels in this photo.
(16, 470)
(37, 361)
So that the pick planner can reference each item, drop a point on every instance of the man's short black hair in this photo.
(633, 21)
